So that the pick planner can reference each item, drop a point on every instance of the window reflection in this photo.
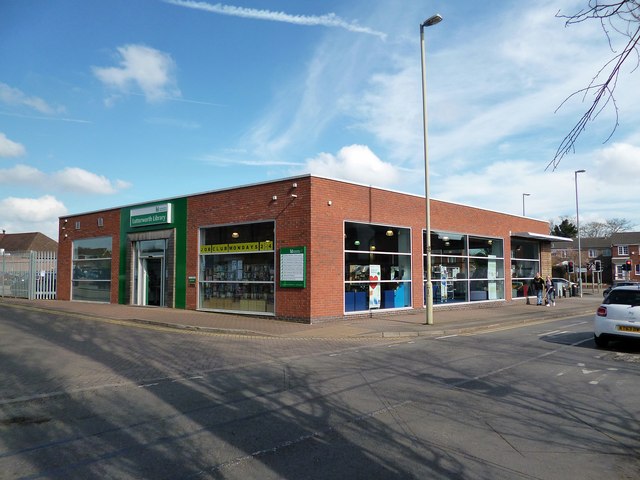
(91, 270)
(466, 268)
(377, 267)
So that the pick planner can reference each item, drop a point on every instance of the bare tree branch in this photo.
(610, 15)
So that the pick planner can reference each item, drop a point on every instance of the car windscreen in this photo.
(623, 297)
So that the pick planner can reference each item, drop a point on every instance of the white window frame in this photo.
(623, 249)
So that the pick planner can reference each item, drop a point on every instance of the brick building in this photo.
(305, 248)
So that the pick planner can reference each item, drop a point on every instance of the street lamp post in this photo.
(437, 18)
(3, 269)
(524, 195)
(578, 227)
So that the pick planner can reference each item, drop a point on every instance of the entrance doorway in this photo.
(150, 273)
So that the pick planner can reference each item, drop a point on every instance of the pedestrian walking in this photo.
(551, 292)
(538, 286)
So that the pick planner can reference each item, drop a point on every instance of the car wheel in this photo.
(601, 341)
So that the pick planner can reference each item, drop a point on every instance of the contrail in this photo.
(328, 20)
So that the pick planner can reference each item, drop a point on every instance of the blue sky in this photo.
(104, 104)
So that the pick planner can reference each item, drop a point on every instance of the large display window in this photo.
(464, 268)
(377, 267)
(237, 268)
(91, 270)
(525, 263)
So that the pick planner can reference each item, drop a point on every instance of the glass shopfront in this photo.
(91, 277)
(525, 263)
(465, 268)
(150, 273)
(237, 268)
(377, 267)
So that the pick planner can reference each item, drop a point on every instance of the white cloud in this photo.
(15, 97)
(9, 148)
(32, 210)
(18, 215)
(355, 163)
(22, 174)
(148, 69)
(618, 163)
(69, 179)
(327, 20)
(82, 181)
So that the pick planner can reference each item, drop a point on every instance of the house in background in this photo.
(27, 242)
(625, 252)
(614, 254)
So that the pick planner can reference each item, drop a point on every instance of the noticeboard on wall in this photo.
(293, 267)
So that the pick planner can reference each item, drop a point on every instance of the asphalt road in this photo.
(82, 398)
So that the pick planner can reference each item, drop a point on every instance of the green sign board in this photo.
(153, 215)
(293, 267)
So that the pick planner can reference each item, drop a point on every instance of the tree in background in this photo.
(564, 229)
(606, 228)
(619, 18)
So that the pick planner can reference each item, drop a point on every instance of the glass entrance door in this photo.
(150, 273)
(153, 281)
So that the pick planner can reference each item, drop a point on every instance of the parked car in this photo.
(565, 284)
(621, 283)
(618, 316)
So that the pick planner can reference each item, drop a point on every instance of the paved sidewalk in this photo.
(379, 324)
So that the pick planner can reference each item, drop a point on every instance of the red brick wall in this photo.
(365, 204)
(252, 204)
(89, 228)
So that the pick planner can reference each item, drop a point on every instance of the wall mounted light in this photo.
(295, 185)
(372, 247)
(293, 195)
(274, 198)
(356, 243)
(235, 235)
(389, 233)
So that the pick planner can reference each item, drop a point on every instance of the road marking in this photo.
(598, 380)
(544, 334)
(446, 336)
(576, 324)
(522, 362)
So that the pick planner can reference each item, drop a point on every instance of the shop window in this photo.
(237, 268)
(91, 277)
(464, 268)
(377, 267)
(525, 263)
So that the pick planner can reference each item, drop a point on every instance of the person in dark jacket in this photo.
(538, 286)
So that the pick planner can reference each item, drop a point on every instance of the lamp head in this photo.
(437, 18)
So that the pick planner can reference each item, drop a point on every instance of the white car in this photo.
(618, 316)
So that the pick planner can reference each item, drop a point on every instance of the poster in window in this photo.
(374, 286)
